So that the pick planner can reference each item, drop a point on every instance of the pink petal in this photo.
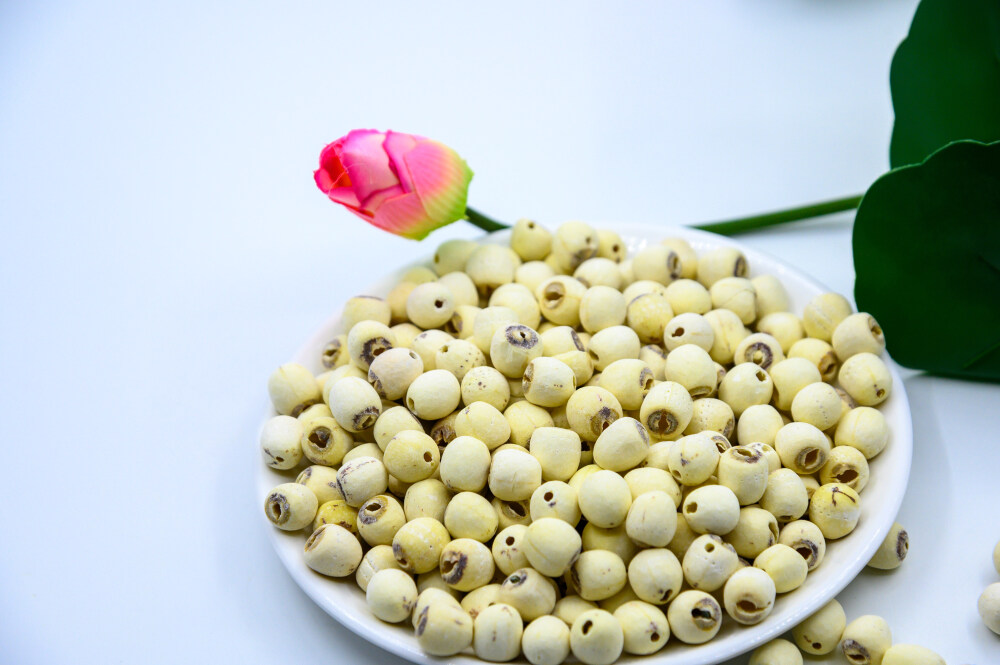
(367, 164)
(331, 172)
(396, 146)
(404, 216)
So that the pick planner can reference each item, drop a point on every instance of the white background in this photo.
(164, 248)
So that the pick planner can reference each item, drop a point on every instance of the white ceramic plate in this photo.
(881, 499)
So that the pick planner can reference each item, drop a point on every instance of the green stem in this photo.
(739, 225)
(482, 221)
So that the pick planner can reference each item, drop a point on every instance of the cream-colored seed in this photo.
(803, 448)
(654, 357)
(551, 546)
(728, 332)
(545, 641)
(417, 546)
(688, 296)
(459, 357)
(824, 313)
(280, 442)
(524, 418)
(490, 266)
(820, 633)
(655, 575)
(989, 607)
(334, 354)
(693, 459)
(622, 446)
(419, 275)
(316, 410)
(366, 340)
(559, 300)
(784, 327)
(865, 640)
(709, 562)
(426, 498)
(452, 255)
(653, 479)
(427, 344)
(465, 464)
(555, 499)
(863, 428)
(614, 540)
(776, 652)
(604, 499)
(712, 415)
(647, 315)
(574, 243)
(657, 263)
(533, 273)
(749, 596)
(433, 394)
(514, 475)
(557, 451)
(581, 364)
(602, 307)
(652, 519)
(393, 421)
(290, 506)
(497, 633)
(758, 424)
(771, 295)
(689, 328)
(411, 456)
(694, 617)
(529, 592)
(786, 567)
(598, 574)
(365, 308)
(712, 509)
(759, 348)
(561, 339)
(336, 511)
(893, 550)
(377, 558)
(789, 377)
(548, 382)
(466, 564)
(479, 599)
(666, 410)
(485, 384)
(835, 508)
(845, 465)
(692, 367)
(292, 389)
(819, 353)
(755, 531)
(530, 240)
(397, 304)
(322, 481)
(599, 271)
(591, 410)
(744, 471)
(391, 595)
(484, 422)
(911, 654)
(333, 551)
(817, 404)
(355, 404)
(716, 264)
(785, 496)
(683, 537)
(520, 299)
(805, 538)
(597, 638)
(392, 372)
(737, 295)
(644, 626)
(642, 287)
(488, 320)
(866, 379)
(379, 519)
(611, 344)
(461, 288)
(443, 629)
(610, 245)
(629, 380)
(686, 254)
(770, 454)
(361, 479)
(746, 385)
(470, 515)
(513, 347)
(508, 553)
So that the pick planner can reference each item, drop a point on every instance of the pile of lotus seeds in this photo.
(552, 448)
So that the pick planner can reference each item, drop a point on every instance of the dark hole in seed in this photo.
(817, 646)
(698, 613)
(848, 476)
(554, 293)
(320, 437)
(709, 547)
(446, 566)
(648, 383)
(604, 425)
(691, 507)
(409, 403)
(761, 376)
(747, 606)
(377, 351)
(428, 457)
(742, 452)
(276, 511)
(876, 330)
(547, 496)
(587, 625)
(437, 258)
(615, 248)
(509, 541)
(313, 539)
(444, 349)
(810, 458)
(517, 509)
(880, 392)
(805, 552)
(678, 332)
(655, 637)
(279, 459)
(593, 355)
(439, 303)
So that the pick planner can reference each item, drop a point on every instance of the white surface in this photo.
(164, 248)
(844, 557)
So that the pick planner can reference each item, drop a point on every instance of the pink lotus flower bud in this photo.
(401, 183)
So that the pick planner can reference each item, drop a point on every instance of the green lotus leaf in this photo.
(927, 260)
(945, 78)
